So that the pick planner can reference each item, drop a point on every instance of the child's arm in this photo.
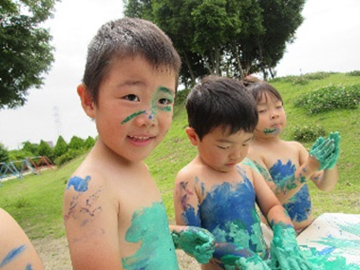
(189, 235)
(91, 222)
(285, 252)
(16, 250)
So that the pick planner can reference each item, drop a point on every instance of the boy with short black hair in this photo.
(219, 188)
(113, 212)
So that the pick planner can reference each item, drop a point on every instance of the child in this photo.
(16, 250)
(113, 212)
(285, 165)
(219, 188)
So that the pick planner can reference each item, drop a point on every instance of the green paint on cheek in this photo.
(127, 119)
(150, 227)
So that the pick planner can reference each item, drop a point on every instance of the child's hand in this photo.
(326, 151)
(285, 252)
(336, 138)
(197, 242)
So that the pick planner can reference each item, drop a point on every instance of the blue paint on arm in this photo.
(12, 255)
(79, 184)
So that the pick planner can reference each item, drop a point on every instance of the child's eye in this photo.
(261, 111)
(223, 147)
(131, 97)
(166, 101)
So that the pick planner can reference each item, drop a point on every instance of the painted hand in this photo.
(284, 250)
(324, 150)
(197, 242)
(335, 155)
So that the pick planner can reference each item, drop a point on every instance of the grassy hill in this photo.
(36, 201)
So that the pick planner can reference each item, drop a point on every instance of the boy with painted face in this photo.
(113, 212)
(16, 249)
(287, 165)
(219, 188)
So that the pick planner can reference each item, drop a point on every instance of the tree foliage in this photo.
(4, 154)
(226, 37)
(25, 50)
(61, 147)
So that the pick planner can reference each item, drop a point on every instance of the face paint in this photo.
(162, 94)
(273, 131)
(13, 254)
(150, 227)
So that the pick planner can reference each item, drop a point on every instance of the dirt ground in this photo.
(54, 254)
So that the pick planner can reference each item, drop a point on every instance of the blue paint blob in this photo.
(299, 206)
(190, 217)
(79, 184)
(12, 255)
(29, 267)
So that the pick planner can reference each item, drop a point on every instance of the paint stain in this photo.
(13, 254)
(130, 117)
(150, 227)
(299, 206)
(79, 184)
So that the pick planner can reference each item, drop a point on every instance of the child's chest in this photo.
(280, 156)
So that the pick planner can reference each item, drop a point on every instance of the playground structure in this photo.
(18, 168)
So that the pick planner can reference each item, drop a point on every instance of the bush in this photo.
(330, 98)
(308, 134)
(4, 154)
(60, 148)
(69, 155)
(76, 143)
(45, 150)
(89, 142)
(30, 147)
(317, 75)
(353, 73)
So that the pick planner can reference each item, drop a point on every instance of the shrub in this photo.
(89, 142)
(330, 98)
(353, 73)
(69, 155)
(4, 154)
(61, 147)
(76, 143)
(30, 147)
(45, 150)
(308, 134)
(317, 75)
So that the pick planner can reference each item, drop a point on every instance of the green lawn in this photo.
(36, 201)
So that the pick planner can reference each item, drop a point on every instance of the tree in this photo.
(89, 142)
(76, 143)
(226, 37)
(45, 150)
(25, 50)
(61, 147)
(30, 147)
(4, 154)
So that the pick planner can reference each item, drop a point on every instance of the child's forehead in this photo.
(224, 133)
(266, 96)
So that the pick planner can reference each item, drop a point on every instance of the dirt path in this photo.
(55, 255)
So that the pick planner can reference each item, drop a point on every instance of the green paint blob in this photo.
(197, 242)
(150, 227)
(273, 131)
(130, 117)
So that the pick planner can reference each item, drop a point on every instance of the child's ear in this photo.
(194, 138)
(86, 101)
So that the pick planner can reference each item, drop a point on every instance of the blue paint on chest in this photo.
(79, 184)
(228, 211)
(299, 206)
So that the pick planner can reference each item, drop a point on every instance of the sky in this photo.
(328, 40)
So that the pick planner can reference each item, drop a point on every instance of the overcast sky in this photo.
(328, 40)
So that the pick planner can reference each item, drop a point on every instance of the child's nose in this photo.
(147, 118)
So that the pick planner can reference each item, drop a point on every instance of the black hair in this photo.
(219, 101)
(123, 38)
(258, 89)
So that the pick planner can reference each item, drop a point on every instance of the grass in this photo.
(36, 201)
